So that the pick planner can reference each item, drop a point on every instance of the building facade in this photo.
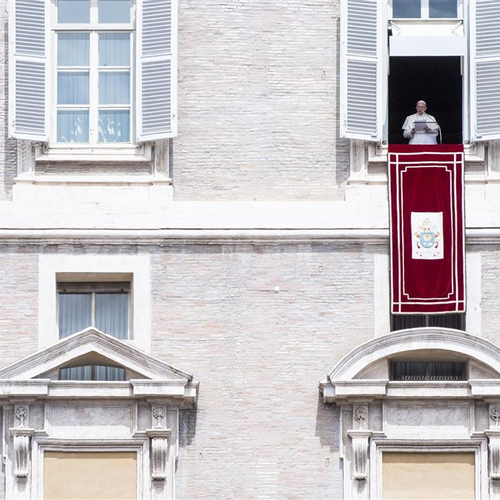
(195, 286)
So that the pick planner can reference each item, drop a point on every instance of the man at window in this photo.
(420, 127)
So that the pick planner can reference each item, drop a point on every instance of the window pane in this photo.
(73, 87)
(74, 11)
(75, 313)
(114, 11)
(114, 126)
(442, 8)
(406, 8)
(114, 49)
(76, 373)
(73, 49)
(72, 125)
(111, 314)
(114, 87)
(109, 373)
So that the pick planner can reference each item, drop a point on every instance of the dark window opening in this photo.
(436, 80)
(403, 321)
(93, 372)
(427, 370)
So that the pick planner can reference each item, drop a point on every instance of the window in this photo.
(92, 372)
(427, 370)
(104, 306)
(93, 71)
(460, 42)
(424, 9)
(402, 321)
(112, 68)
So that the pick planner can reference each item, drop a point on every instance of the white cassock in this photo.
(421, 137)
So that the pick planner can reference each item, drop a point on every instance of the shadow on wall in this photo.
(328, 425)
(187, 426)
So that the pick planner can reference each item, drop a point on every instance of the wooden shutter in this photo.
(363, 70)
(28, 69)
(485, 69)
(156, 69)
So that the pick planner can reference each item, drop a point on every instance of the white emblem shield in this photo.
(427, 235)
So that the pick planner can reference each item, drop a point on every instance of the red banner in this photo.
(426, 191)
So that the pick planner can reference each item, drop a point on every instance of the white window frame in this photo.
(97, 287)
(477, 446)
(93, 28)
(95, 268)
(424, 12)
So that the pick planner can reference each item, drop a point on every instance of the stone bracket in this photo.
(159, 439)
(22, 450)
(360, 449)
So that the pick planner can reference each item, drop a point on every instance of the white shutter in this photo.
(28, 69)
(156, 69)
(485, 69)
(363, 69)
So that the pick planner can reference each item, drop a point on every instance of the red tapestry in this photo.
(426, 189)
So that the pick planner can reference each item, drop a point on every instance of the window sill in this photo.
(126, 153)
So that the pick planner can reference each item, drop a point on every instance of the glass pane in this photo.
(406, 8)
(73, 87)
(76, 373)
(114, 50)
(72, 125)
(114, 87)
(109, 373)
(443, 8)
(73, 49)
(75, 312)
(73, 11)
(111, 314)
(114, 11)
(114, 126)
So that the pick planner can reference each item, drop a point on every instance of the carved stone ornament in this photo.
(21, 414)
(360, 446)
(159, 415)
(495, 414)
(360, 415)
(494, 454)
(22, 451)
(159, 453)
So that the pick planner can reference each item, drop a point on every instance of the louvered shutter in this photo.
(485, 69)
(156, 69)
(363, 73)
(28, 69)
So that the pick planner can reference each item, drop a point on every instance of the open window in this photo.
(395, 53)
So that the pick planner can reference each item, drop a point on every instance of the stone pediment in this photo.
(148, 376)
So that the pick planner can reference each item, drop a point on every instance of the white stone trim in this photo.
(478, 446)
(136, 265)
(473, 287)
(381, 295)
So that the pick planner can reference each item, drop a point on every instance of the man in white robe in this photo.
(429, 131)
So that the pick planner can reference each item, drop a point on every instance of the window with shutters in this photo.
(396, 52)
(92, 74)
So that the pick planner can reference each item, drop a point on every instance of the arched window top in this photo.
(365, 371)
(417, 340)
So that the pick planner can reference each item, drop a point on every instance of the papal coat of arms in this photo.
(427, 235)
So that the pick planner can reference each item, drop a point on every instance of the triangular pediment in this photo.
(91, 346)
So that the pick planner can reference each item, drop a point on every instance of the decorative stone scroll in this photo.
(360, 445)
(159, 453)
(22, 451)
(494, 452)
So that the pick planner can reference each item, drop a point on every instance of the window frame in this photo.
(54, 268)
(424, 12)
(94, 29)
(94, 288)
